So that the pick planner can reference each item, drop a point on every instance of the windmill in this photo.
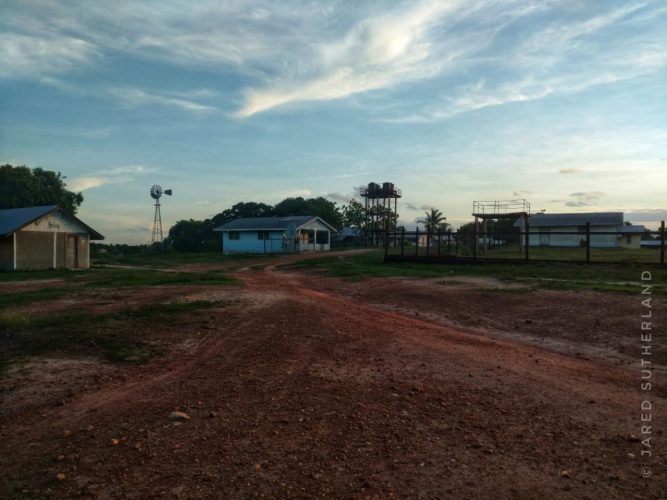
(156, 193)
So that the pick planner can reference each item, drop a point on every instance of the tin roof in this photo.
(269, 223)
(595, 218)
(13, 219)
(633, 228)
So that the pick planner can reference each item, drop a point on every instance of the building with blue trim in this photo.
(295, 234)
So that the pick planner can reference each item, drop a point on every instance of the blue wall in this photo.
(248, 243)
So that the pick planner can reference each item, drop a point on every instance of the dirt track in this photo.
(307, 388)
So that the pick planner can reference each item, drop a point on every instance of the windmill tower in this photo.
(156, 193)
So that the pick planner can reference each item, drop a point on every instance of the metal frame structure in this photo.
(499, 209)
(157, 235)
(378, 196)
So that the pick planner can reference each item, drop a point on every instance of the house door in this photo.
(72, 257)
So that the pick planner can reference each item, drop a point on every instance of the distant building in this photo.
(44, 238)
(295, 234)
(545, 224)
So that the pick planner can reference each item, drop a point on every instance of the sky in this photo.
(563, 103)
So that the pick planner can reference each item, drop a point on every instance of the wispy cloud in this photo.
(25, 56)
(585, 199)
(378, 52)
(133, 97)
(570, 171)
(115, 175)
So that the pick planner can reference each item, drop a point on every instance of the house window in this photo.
(628, 239)
(234, 235)
(263, 235)
(322, 237)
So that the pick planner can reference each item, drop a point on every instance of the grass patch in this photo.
(614, 277)
(49, 274)
(177, 259)
(116, 278)
(120, 336)
(108, 277)
(29, 296)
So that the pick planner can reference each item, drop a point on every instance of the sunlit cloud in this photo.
(133, 97)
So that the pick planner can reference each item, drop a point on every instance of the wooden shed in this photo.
(45, 237)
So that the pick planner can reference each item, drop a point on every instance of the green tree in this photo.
(433, 219)
(193, 236)
(25, 187)
(354, 214)
(243, 209)
(319, 207)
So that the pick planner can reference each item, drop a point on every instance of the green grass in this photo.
(111, 277)
(176, 259)
(570, 254)
(616, 277)
(119, 336)
(27, 297)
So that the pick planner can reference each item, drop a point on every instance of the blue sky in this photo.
(560, 102)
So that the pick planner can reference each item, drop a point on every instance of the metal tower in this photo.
(156, 193)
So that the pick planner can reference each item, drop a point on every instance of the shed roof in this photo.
(269, 223)
(633, 228)
(13, 219)
(595, 218)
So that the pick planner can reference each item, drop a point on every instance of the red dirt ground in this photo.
(313, 387)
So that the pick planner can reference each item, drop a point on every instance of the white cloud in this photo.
(378, 52)
(133, 97)
(33, 56)
(114, 175)
(83, 183)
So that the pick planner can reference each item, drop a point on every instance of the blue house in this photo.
(296, 234)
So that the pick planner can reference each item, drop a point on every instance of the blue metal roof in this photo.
(269, 223)
(13, 219)
(595, 218)
(633, 228)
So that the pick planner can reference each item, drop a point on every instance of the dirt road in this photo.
(302, 390)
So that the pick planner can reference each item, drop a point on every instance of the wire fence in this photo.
(586, 244)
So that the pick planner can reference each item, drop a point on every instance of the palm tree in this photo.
(433, 220)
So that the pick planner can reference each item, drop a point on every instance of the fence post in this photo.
(449, 241)
(662, 243)
(456, 243)
(588, 242)
(527, 241)
(428, 241)
(417, 242)
(475, 241)
(403, 241)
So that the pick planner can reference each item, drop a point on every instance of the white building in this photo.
(45, 237)
(548, 229)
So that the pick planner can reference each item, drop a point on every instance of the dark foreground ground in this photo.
(301, 385)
